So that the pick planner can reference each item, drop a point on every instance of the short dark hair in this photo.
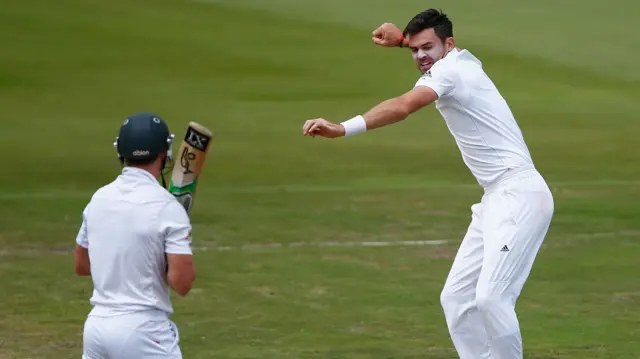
(430, 18)
(134, 162)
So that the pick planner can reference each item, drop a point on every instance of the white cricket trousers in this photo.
(130, 336)
(493, 262)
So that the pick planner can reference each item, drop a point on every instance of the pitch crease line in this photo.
(208, 192)
(275, 245)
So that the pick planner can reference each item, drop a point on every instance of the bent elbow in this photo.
(183, 290)
(82, 270)
(404, 112)
(182, 284)
(403, 109)
(408, 107)
(81, 261)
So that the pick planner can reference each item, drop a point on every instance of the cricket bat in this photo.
(189, 164)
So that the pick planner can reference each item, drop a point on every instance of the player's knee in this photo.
(447, 298)
(451, 299)
(451, 307)
(489, 303)
(456, 305)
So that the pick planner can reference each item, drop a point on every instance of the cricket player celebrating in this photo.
(135, 243)
(509, 224)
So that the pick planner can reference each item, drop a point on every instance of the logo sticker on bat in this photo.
(185, 160)
(196, 139)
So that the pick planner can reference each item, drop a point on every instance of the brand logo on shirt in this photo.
(427, 74)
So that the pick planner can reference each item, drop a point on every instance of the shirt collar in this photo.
(453, 51)
(138, 173)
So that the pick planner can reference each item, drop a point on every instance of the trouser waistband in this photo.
(153, 314)
(511, 174)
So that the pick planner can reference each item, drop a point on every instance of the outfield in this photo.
(274, 206)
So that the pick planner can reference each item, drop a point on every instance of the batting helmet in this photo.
(143, 136)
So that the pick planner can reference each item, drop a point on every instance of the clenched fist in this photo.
(322, 127)
(388, 35)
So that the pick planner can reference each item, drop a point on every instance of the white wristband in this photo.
(354, 126)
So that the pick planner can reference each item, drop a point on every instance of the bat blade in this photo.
(189, 164)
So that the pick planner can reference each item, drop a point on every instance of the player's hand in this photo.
(387, 35)
(322, 127)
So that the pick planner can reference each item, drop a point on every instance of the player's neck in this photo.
(152, 168)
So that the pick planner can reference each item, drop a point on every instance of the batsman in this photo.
(135, 243)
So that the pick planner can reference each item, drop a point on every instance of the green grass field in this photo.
(253, 71)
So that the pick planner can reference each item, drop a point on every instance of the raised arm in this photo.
(396, 109)
(385, 113)
(389, 35)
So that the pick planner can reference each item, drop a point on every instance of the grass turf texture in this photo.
(71, 71)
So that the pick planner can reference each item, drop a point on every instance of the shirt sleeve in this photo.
(439, 79)
(176, 227)
(82, 238)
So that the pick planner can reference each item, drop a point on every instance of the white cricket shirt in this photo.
(128, 226)
(477, 115)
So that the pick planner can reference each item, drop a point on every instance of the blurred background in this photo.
(280, 219)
